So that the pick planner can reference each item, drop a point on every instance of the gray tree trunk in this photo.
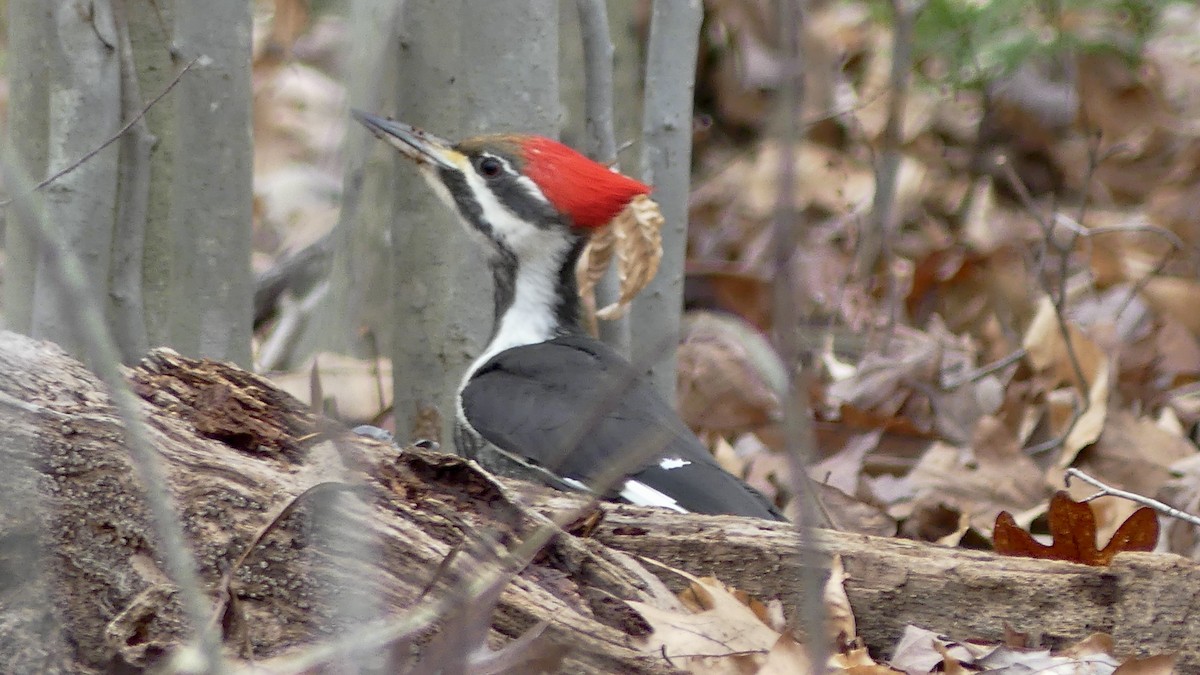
(30, 31)
(504, 79)
(666, 162)
(150, 39)
(166, 253)
(212, 194)
(84, 111)
(600, 62)
(354, 317)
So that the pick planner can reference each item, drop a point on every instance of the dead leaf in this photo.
(635, 237)
(1163, 664)
(724, 287)
(991, 475)
(729, 378)
(1175, 297)
(721, 634)
(839, 617)
(1073, 527)
(1049, 355)
(787, 657)
(1134, 453)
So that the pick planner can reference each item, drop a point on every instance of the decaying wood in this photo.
(371, 531)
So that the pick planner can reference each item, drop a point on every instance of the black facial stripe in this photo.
(566, 310)
(504, 262)
(504, 280)
(470, 209)
(516, 197)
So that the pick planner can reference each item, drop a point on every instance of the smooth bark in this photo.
(30, 31)
(666, 165)
(212, 194)
(84, 111)
(349, 319)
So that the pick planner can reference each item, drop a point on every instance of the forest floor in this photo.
(1031, 310)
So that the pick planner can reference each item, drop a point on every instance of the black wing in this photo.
(576, 407)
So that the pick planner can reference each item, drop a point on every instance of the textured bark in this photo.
(83, 588)
(166, 255)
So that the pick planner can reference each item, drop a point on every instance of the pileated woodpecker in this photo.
(544, 393)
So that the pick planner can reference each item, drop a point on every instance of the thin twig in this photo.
(1109, 491)
(985, 370)
(876, 240)
(112, 139)
(798, 434)
(1064, 330)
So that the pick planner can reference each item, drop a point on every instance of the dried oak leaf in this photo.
(635, 238)
(1073, 527)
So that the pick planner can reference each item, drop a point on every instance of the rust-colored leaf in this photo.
(1073, 528)
(1139, 532)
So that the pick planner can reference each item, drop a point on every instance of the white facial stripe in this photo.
(641, 494)
(439, 188)
(532, 188)
(669, 463)
(508, 167)
(531, 318)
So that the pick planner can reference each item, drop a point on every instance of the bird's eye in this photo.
(490, 167)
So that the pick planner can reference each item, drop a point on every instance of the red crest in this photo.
(587, 191)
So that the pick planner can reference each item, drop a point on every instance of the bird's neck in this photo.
(536, 298)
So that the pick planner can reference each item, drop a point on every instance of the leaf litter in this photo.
(1007, 339)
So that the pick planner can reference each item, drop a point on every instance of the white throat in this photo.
(530, 318)
(540, 253)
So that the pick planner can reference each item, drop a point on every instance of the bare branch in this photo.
(983, 371)
(1109, 491)
(875, 239)
(1058, 300)
(128, 125)
(133, 197)
(798, 433)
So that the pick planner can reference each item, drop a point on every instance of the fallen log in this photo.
(303, 533)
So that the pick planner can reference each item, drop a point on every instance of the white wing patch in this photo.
(669, 463)
(575, 484)
(641, 494)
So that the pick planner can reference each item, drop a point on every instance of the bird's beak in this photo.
(419, 146)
